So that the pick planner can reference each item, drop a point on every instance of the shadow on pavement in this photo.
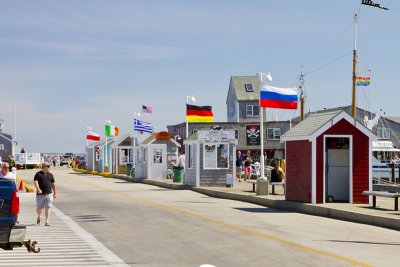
(262, 210)
(364, 242)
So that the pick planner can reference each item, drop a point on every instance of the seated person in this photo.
(277, 174)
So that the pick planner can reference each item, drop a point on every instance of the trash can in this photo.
(179, 173)
(129, 168)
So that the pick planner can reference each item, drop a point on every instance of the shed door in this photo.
(337, 184)
(157, 161)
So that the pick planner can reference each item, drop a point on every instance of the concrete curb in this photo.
(331, 213)
(154, 182)
(304, 208)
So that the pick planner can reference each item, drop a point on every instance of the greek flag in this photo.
(142, 126)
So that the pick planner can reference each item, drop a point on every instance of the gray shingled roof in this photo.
(148, 139)
(238, 83)
(394, 119)
(311, 124)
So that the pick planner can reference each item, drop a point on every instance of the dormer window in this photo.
(249, 87)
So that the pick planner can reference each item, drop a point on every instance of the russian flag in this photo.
(274, 97)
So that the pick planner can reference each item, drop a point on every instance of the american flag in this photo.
(147, 109)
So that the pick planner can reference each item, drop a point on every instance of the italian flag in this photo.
(93, 136)
(111, 130)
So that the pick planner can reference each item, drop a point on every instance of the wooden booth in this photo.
(155, 155)
(210, 157)
(122, 154)
(93, 155)
(328, 159)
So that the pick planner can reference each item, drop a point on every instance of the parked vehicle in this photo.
(11, 233)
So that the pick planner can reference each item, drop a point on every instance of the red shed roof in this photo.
(316, 124)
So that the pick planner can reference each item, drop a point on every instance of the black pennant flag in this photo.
(370, 3)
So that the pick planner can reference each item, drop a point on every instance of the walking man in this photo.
(45, 192)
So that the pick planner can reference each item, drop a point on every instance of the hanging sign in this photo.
(253, 135)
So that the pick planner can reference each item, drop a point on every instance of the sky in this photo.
(67, 65)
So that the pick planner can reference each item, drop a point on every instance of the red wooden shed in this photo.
(328, 158)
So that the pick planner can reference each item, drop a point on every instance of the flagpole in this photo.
(187, 123)
(353, 100)
(261, 135)
(105, 162)
(262, 171)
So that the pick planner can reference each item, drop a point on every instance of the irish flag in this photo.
(92, 136)
(111, 130)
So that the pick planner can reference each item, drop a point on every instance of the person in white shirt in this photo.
(6, 174)
(181, 159)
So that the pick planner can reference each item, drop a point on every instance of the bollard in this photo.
(262, 187)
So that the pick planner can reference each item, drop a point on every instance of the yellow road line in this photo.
(240, 229)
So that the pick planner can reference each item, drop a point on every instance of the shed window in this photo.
(216, 156)
(126, 155)
(252, 111)
(190, 156)
(273, 133)
(383, 133)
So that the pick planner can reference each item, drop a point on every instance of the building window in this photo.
(126, 155)
(249, 87)
(383, 133)
(157, 156)
(190, 158)
(231, 112)
(236, 134)
(252, 111)
(273, 133)
(216, 156)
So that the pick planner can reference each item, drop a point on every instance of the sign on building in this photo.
(253, 135)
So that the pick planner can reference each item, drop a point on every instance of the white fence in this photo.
(27, 158)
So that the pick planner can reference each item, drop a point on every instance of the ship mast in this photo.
(367, 3)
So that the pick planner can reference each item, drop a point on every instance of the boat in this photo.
(384, 154)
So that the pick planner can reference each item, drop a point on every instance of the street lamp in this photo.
(188, 97)
(269, 78)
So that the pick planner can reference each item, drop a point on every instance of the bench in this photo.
(254, 182)
(375, 194)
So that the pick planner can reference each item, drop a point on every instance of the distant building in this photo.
(242, 101)
(243, 115)
(6, 143)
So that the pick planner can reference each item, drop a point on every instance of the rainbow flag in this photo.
(363, 81)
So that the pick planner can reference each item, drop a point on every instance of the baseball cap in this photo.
(46, 164)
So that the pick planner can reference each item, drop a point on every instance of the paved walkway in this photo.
(383, 216)
(64, 243)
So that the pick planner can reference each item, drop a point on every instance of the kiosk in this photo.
(122, 154)
(155, 155)
(328, 158)
(210, 158)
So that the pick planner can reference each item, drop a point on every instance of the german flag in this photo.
(199, 113)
